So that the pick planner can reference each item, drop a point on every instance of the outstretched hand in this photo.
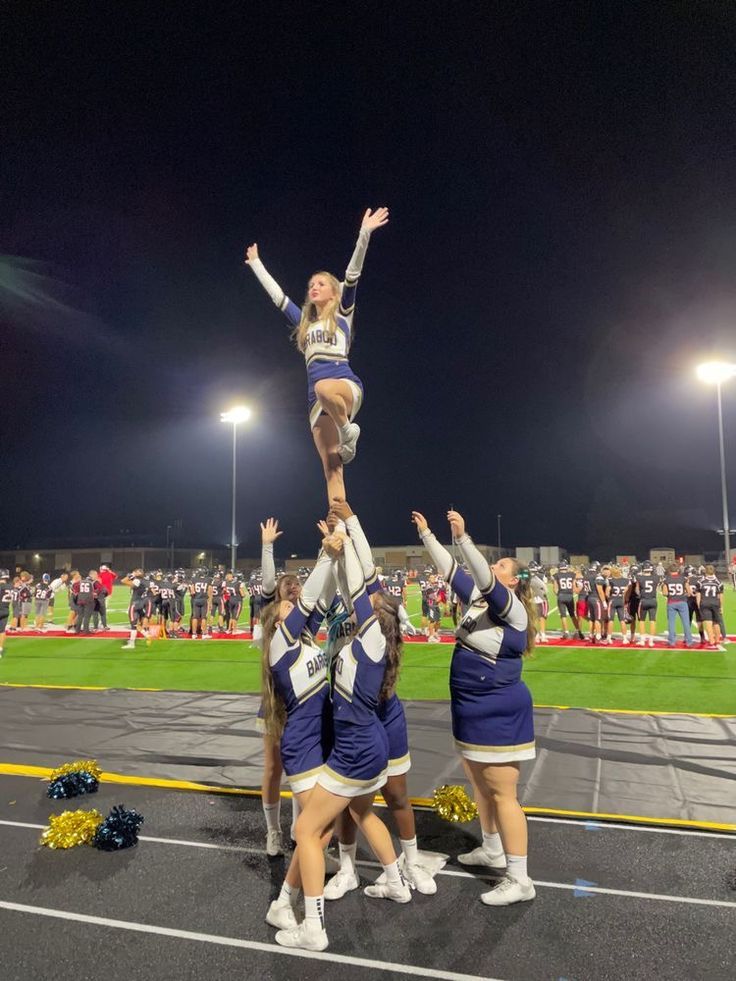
(374, 220)
(270, 531)
(251, 253)
(457, 523)
(420, 521)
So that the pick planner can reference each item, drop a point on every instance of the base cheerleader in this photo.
(492, 719)
(356, 768)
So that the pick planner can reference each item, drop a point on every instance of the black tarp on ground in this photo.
(659, 766)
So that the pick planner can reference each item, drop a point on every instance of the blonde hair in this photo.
(274, 710)
(311, 315)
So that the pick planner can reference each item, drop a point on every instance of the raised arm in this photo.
(269, 533)
(264, 277)
(447, 567)
(355, 581)
(499, 598)
(344, 513)
(352, 274)
(296, 621)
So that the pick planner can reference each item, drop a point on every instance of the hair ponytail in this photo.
(523, 591)
(274, 710)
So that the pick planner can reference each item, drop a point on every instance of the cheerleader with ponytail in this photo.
(492, 719)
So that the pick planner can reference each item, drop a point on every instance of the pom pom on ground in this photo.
(78, 766)
(453, 804)
(72, 785)
(71, 828)
(118, 830)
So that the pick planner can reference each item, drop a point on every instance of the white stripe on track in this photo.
(211, 938)
(453, 873)
(586, 824)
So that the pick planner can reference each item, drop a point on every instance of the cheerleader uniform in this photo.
(358, 762)
(390, 711)
(299, 670)
(326, 356)
(492, 719)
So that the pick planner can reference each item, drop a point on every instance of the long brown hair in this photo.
(523, 591)
(386, 610)
(274, 710)
(310, 314)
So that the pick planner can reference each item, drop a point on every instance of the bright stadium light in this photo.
(236, 415)
(716, 373)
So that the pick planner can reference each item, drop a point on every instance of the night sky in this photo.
(561, 252)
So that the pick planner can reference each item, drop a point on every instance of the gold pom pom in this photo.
(89, 766)
(453, 804)
(71, 828)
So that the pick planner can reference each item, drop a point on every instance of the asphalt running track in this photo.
(188, 902)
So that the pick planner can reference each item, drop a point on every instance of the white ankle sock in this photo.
(410, 850)
(492, 842)
(516, 867)
(290, 893)
(393, 875)
(272, 813)
(314, 912)
(345, 429)
(347, 857)
(132, 636)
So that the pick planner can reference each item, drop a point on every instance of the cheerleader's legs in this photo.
(484, 803)
(327, 440)
(497, 783)
(336, 398)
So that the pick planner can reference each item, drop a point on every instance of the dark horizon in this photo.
(560, 255)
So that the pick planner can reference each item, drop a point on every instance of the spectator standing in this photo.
(675, 589)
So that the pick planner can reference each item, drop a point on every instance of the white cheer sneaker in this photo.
(481, 856)
(508, 891)
(399, 892)
(308, 938)
(349, 444)
(281, 915)
(273, 843)
(344, 881)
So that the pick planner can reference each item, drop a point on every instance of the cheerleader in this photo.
(357, 766)
(492, 718)
(286, 589)
(296, 705)
(418, 867)
(323, 333)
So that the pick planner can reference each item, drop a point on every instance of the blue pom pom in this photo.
(118, 830)
(72, 785)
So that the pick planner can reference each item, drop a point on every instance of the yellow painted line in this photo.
(12, 684)
(617, 711)
(26, 770)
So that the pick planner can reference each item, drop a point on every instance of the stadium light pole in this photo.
(716, 373)
(236, 415)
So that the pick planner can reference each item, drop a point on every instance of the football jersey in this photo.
(565, 582)
(710, 589)
(138, 589)
(674, 585)
(619, 585)
(200, 587)
(647, 583)
(6, 598)
(86, 590)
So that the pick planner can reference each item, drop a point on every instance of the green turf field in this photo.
(632, 678)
